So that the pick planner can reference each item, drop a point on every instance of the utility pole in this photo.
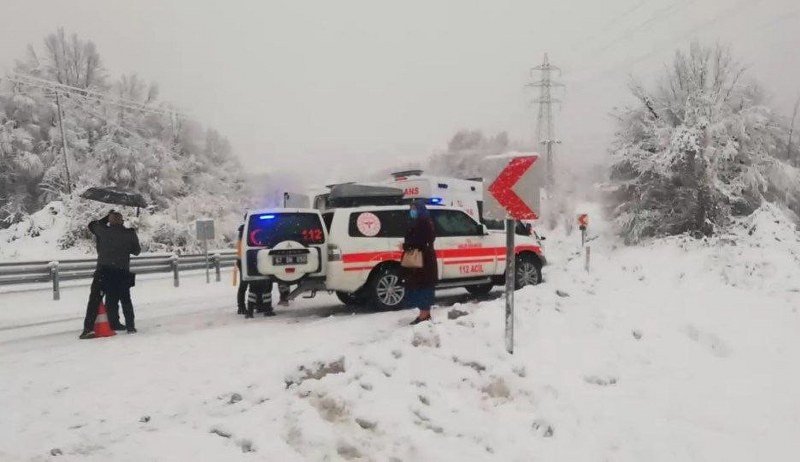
(545, 131)
(789, 158)
(63, 143)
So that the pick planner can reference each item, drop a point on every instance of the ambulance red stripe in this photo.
(359, 268)
(377, 257)
(466, 262)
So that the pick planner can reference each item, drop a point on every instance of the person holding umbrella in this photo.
(115, 245)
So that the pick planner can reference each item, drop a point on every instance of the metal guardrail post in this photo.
(216, 257)
(55, 276)
(176, 282)
(588, 258)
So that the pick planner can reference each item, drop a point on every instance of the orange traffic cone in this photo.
(101, 326)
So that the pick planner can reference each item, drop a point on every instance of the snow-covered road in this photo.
(677, 350)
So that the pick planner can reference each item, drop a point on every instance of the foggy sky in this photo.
(344, 87)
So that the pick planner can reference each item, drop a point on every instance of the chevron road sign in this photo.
(503, 189)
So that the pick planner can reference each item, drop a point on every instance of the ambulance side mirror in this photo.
(485, 230)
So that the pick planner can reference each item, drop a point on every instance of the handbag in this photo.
(412, 259)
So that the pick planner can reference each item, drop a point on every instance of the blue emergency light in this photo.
(435, 200)
(266, 217)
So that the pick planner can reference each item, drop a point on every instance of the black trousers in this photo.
(118, 291)
(241, 295)
(260, 296)
(115, 284)
(95, 297)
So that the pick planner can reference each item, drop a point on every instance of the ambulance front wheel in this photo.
(528, 271)
(385, 289)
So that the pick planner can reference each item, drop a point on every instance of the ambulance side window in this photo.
(455, 223)
(496, 225)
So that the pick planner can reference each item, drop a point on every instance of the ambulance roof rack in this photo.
(333, 185)
(354, 195)
(406, 173)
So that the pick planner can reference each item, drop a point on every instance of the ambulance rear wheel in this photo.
(385, 289)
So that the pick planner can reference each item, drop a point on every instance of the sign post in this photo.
(583, 224)
(511, 260)
(514, 208)
(205, 231)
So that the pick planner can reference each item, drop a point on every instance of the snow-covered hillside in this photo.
(53, 233)
(676, 350)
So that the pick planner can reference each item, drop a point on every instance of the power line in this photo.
(658, 15)
(145, 141)
(669, 43)
(104, 97)
(84, 97)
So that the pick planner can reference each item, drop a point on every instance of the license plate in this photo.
(290, 260)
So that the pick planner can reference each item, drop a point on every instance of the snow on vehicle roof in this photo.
(362, 190)
(511, 155)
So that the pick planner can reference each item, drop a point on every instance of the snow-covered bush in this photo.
(698, 149)
(168, 236)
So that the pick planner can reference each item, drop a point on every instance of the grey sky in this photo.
(346, 87)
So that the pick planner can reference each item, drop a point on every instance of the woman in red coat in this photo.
(420, 282)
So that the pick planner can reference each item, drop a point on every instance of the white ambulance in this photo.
(466, 194)
(350, 241)
(365, 248)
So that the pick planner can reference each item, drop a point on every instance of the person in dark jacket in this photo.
(241, 293)
(421, 282)
(115, 244)
(259, 297)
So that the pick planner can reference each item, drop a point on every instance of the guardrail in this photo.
(56, 271)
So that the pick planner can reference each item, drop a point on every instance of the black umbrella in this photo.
(115, 196)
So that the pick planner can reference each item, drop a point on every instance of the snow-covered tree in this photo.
(700, 147)
(142, 145)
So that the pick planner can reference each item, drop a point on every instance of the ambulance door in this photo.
(461, 247)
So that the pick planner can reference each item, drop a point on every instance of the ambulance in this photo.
(350, 241)
(466, 194)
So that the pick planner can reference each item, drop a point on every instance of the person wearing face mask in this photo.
(420, 276)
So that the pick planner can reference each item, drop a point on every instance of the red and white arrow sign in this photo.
(503, 188)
